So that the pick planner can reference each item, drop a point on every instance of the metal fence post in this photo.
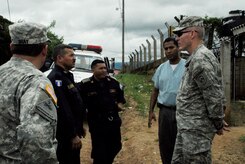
(144, 54)
(134, 60)
(140, 56)
(154, 48)
(137, 56)
(130, 63)
(149, 50)
(161, 43)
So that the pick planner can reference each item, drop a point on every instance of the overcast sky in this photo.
(99, 22)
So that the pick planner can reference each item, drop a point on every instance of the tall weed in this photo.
(137, 87)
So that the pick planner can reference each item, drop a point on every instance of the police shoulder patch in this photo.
(70, 86)
(58, 83)
(113, 90)
(111, 78)
(86, 80)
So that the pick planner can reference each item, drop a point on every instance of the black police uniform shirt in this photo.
(70, 106)
(101, 98)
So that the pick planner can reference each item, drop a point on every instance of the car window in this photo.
(84, 61)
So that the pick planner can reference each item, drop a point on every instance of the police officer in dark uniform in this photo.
(103, 99)
(70, 107)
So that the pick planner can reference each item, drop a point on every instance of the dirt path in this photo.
(140, 144)
(227, 149)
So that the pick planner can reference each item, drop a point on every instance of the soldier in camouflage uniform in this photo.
(200, 98)
(27, 101)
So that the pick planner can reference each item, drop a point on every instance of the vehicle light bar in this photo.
(95, 48)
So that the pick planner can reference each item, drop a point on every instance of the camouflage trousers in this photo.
(193, 147)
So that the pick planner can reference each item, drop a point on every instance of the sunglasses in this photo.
(181, 33)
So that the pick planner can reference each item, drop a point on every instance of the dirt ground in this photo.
(140, 143)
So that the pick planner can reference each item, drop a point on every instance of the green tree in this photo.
(212, 24)
(55, 39)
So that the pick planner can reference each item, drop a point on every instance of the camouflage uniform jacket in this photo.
(201, 97)
(27, 114)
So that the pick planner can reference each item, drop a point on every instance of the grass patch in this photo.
(243, 150)
(242, 139)
(125, 138)
(138, 87)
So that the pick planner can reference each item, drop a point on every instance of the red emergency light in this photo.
(95, 48)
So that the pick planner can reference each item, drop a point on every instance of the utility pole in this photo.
(123, 70)
(9, 10)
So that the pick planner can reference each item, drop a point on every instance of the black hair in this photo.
(171, 39)
(27, 49)
(60, 50)
(96, 61)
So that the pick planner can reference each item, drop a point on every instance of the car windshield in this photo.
(84, 61)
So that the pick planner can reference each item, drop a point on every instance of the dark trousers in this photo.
(106, 142)
(65, 153)
(167, 131)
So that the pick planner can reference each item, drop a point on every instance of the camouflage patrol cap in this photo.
(191, 21)
(28, 33)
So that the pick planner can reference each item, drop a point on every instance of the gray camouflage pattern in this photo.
(200, 103)
(191, 21)
(28, 33)
(27, 115)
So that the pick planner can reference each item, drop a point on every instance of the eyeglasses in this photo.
(181, 33)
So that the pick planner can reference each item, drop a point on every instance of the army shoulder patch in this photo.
(49, 90)
(203, 80)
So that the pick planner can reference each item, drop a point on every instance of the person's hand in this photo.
(225, 128)
(76, 143)
(152, 116)
(120, 107)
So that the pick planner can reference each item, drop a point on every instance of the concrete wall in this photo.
(240, 78)
(225, 60)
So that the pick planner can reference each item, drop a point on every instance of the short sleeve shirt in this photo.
(167, 81)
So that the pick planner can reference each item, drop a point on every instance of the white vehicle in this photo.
(85, 55)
